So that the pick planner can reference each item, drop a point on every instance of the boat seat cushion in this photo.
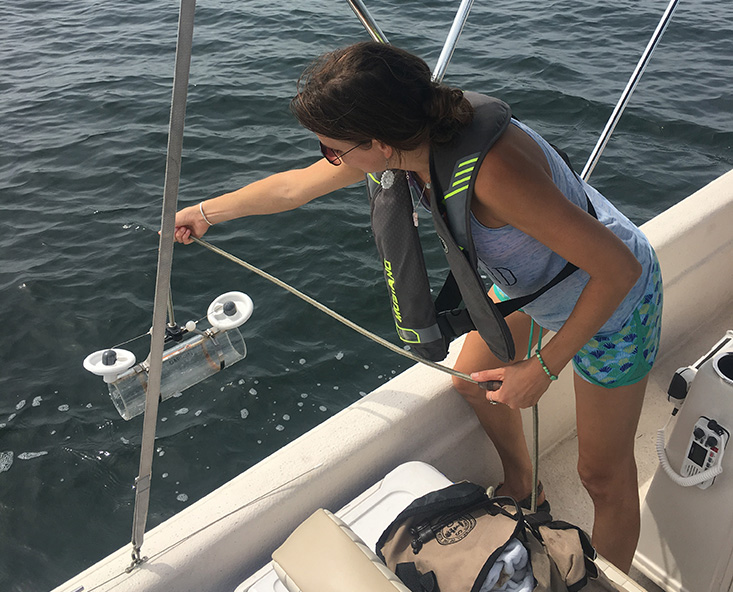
(324, 555)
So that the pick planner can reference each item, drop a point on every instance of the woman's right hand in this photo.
(190, 222)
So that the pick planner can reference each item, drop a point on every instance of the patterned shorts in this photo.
(625, 357)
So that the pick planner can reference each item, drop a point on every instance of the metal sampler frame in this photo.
(162, 299)
(165, 264)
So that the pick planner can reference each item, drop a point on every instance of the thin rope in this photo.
(148, 332)
(333, 314)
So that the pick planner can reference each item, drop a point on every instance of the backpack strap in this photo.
(451, 318)
(416, 581)
(453, 170)
(509, 306)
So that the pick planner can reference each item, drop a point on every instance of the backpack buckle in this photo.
(454, 323)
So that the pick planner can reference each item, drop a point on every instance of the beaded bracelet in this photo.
(544, 367)
(201, 209)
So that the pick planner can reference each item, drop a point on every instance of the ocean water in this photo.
(84, 105)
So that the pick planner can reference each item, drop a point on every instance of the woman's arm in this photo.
(277, 193)
(515, 187)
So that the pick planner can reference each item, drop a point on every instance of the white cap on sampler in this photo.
(230, 310)
(109, 363)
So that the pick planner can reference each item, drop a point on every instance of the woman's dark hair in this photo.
(372, 90)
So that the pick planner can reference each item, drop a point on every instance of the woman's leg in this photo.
(607, 420)
(502, 424)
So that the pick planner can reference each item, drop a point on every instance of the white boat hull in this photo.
(218, 542)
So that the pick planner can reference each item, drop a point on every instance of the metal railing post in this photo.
(165, 261)
(362, 12)
(450, 43)
(626, 95)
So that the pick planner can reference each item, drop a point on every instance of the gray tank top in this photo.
(519, 265)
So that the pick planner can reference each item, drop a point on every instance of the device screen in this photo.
(697, 454)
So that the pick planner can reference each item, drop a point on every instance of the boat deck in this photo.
(558, 466)
(693, 243)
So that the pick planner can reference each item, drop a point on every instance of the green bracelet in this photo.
(544, 367)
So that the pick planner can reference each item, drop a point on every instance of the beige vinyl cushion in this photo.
(324, 555)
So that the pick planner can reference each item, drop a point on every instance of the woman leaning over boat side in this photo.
(374, 107)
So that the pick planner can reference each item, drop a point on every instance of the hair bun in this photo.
(448, 111)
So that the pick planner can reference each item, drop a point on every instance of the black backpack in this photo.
(453, 539)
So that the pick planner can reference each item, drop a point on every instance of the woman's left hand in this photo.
(522, 386)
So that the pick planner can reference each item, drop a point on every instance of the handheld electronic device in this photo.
(705, 449)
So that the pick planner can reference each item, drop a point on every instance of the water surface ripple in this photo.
(85, 93)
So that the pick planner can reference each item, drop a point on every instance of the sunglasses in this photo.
(331, 156)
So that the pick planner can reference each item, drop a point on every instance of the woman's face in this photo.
(368, 157)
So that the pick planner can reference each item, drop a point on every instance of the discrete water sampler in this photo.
(686, 542)
(197, 355)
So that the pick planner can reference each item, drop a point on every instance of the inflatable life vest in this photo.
(427, 326)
